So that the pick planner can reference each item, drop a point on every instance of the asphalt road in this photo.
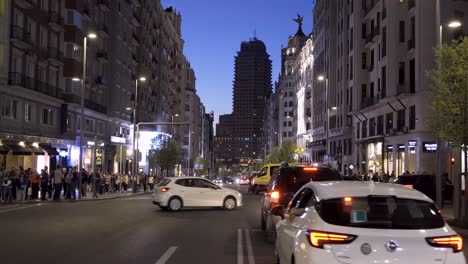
(132, 230)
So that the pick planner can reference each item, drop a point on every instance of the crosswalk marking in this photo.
(164, 258)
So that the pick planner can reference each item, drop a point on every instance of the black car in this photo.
(425, 183)
(228, 180)
(285, 182)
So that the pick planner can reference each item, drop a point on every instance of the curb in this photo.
(74, 201)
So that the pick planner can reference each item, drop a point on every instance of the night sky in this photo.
(214, 29)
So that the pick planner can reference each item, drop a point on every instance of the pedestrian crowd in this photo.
(63, 183)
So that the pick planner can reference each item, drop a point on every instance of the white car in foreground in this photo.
(364, 222)
(175, 193)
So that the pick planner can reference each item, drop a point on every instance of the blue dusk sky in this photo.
(214, 29)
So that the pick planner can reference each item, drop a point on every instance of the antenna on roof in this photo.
(255, 34)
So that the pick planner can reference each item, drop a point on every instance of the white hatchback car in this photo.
(364, 222)
(175, 193)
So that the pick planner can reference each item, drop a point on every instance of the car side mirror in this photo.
(278, 211)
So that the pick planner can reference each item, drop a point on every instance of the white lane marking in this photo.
(250, 254)
(164, 258)
(19, 208)
(240, 248)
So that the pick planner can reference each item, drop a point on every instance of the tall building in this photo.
(287, 108)
(302, 83)
(239, 135)
(324, 92)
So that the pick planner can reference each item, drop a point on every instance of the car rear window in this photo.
(292, 179)
(383, 212)
(407, 179)
(164, 182)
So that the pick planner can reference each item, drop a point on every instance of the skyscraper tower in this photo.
(241, 131)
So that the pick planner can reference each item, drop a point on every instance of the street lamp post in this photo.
(135, 142)
(82, 104)
(322, 78)
(189, 151)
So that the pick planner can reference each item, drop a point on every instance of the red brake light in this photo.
(164, 189)
(318, 238)
(409, 186)
(455, 242)
(311, 169)
(275, 195)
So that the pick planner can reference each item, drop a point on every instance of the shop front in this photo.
(375, 160)
(118, 154)
(318, 150)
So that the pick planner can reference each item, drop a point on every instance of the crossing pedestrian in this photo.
(151, 182)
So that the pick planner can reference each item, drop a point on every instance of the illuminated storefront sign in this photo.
(429, 146)
(118, 140)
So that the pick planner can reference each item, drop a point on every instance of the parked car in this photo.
(174, 193)
(426, 184)
(285, 183)
(364, 222)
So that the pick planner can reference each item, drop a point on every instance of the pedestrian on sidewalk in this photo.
(151, 182)
(58, 177)
(95, 184)
(67, 187)
(2, 177)
(7, 195)
(125, 182)
(50, 185)
(44, 182)
(23, 183)
(35, 181)
(84, 181)
(73, 182)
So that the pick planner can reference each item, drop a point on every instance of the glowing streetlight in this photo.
(454, 24)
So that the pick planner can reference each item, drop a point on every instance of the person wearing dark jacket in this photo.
(44, 182)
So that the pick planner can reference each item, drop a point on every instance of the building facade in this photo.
(42, 75)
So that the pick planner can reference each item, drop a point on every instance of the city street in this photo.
(132, 230)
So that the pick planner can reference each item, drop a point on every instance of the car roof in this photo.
(338, 189)
(183, 178)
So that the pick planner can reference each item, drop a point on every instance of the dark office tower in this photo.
(239, 135)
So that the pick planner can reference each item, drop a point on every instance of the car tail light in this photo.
(319, 238)
(409, 186)
(275, 195)
(311, 169)
(164, 189)
(455, 242)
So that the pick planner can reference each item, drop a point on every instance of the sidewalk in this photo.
(448, 215)
(88, 198)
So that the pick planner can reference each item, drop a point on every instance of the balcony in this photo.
(56, 21)
(86, 13)
(55, 56)
(402, 89)
(104, 5)
(26, 4)
(19, 79)
(135, 39)
(21, 38)
(103, 31)
(100, 81)
(411, 44)
(136, 19)
(376, 32)
(102, 56)
(370, 101)
(76, 99)
(411, 4)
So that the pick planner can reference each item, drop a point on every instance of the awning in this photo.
(49, 149)
(19, 150)
(4, 149)
(26, 150)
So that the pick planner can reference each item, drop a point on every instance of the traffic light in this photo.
(452, 161)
